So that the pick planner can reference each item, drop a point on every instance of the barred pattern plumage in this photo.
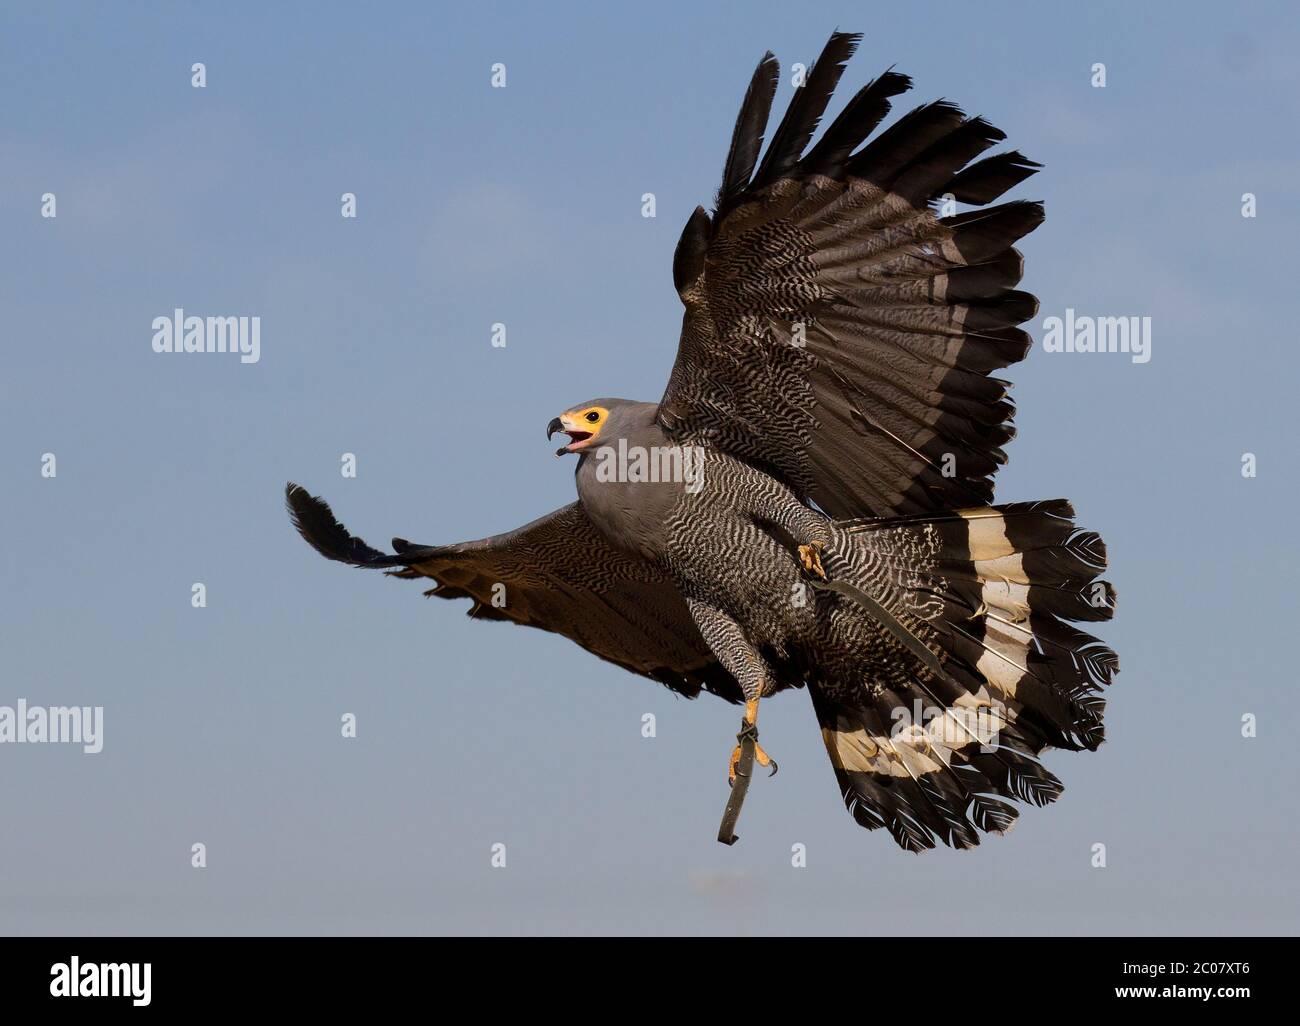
(833, 378)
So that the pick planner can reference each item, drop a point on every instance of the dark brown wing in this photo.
(557, 573)
(837, 331)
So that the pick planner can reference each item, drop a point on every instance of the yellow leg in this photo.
(751, 720)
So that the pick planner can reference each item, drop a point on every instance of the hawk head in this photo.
(589, 423)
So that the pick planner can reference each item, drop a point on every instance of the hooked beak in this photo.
(577, 437)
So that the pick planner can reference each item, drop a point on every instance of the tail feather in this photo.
(991, 592)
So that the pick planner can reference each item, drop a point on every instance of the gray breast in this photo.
(631, 483)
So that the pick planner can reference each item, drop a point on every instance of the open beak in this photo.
(578, 438)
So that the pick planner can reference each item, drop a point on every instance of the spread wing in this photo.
(837, 331)
(558, 574)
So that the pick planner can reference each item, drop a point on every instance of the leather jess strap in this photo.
(747, 739)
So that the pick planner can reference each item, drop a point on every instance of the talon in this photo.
(748, 732)
(763, 758)
(731, 766)
(760, 756)
(811, 558)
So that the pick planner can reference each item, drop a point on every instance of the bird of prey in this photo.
(826, 444)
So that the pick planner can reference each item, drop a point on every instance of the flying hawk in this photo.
(835, 430)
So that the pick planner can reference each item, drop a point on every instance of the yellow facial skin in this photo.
(587, 422)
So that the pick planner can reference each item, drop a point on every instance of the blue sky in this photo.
(523, 206)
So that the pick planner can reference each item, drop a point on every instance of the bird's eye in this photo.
(592, 417)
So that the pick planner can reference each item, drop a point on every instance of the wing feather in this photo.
(557, 574)
(838, 332)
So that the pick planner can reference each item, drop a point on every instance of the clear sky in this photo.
(522, 206)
